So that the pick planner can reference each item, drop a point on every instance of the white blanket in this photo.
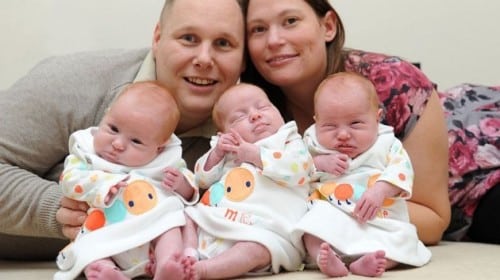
(332, 221)
(245, 203)
(139, 213)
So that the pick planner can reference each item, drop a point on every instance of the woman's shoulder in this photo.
(373, 64)
(401, 86)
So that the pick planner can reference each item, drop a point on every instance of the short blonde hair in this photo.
(158, 100)
(350, 79)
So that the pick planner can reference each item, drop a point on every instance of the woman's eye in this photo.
(257, 29)
(290, 21)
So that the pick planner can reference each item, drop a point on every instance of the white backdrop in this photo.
(456, 41)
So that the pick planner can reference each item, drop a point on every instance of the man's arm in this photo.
(37, 115)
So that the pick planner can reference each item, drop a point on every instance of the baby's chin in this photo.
(263, 134)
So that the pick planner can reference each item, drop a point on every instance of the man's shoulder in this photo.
(103, 56)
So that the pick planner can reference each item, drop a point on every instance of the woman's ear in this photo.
(329, 23)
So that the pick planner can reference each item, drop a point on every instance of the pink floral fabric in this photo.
(473, 117)
(402, 88)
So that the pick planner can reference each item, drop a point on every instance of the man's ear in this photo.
(156, 37)
(329, 23)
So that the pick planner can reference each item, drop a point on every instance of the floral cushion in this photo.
(473, 118)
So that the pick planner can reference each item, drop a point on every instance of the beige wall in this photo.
(455, 40)
(33, 29)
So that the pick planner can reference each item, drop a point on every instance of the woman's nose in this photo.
(274, 37)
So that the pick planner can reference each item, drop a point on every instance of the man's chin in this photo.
(197, 109)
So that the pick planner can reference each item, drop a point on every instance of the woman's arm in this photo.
(427, 146)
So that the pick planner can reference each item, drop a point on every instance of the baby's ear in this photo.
(161, 148)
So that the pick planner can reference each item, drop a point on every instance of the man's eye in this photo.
(189, 38)
(223, 43)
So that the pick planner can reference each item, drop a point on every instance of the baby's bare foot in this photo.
(329, 263)
(189, 269)
(105, 270)
(371, 264)
(191, 253)
(172, 268)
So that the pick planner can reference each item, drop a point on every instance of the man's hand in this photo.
(71, 215)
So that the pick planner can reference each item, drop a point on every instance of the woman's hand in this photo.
(71, 215)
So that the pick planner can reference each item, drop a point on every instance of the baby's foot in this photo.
(191, 253)
(189, 269)
(151, 265)
(105, 270)
(329, 263)
(170, 269)
(371, 264)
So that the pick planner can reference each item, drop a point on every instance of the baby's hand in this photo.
(173, 179)
(372, 199)
(335, 163)
(246, 151)
(113, 191)
(226, 144)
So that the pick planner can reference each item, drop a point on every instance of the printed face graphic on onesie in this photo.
(239, 184)
(139, 197)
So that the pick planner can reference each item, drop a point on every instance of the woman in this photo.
(295, 44)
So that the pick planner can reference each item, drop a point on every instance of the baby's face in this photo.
(128, 136)
(247, 110)
(346, 123)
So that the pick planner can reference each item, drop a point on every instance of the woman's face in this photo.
(286, 40)
(198, 47)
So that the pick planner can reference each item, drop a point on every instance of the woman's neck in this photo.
(187, 123)
(300, 106)
(300, 102)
